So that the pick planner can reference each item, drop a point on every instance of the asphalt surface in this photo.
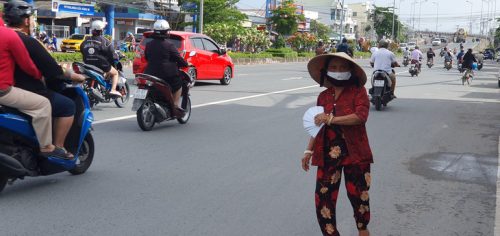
(234, 169)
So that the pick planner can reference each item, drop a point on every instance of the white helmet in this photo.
(97, 25)
(161, 25)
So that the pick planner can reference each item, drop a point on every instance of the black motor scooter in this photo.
(381, 89)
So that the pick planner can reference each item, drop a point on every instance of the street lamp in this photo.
(393, 20)
(437, 14)
(470, 17)
(419, 13)
(201, 16)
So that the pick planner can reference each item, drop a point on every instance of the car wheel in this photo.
(226, 80)
(192, 73)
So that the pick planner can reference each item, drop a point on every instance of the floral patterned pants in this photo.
(357, 182)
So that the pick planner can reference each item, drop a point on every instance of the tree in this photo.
(285, 19)
(222, 33)
(320, 30)
(217, 11)
(382, 22)
(302, 42)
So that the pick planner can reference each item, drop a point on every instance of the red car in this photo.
(209, 61)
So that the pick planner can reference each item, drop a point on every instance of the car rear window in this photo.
(77, 36)
(173, 39)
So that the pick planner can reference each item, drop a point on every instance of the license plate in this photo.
(137, 103)
(141, 93)
(378, 83)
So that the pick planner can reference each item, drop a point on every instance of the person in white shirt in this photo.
(416, 56)
(385, 60)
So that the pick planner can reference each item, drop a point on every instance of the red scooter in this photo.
(154, 101)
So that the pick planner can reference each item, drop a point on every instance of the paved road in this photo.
(234, 168)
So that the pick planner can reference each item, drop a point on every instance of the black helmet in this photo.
(14, 11)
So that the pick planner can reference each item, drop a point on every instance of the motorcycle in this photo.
(460, 68)
(406, 61)
(447, 65)
(479, 65)
(381, 89)
(19, 147)
(430, 63)
(98, 88)
(154, 103)
(414, 71)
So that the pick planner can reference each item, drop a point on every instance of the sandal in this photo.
(115, 94)
(59, 153)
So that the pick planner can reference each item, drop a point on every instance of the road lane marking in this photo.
(214, 103)
(497, 208)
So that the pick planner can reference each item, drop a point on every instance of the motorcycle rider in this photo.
(12, 54)
(430, 56)
(406, 54)
(164, 61)
(99, 51)
(460, 56)
(416, 56)
(468, 59)
(344, 47)
(448, 58)
(18, 15)
(385, 60)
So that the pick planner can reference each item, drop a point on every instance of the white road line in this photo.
(497, 208)
(213, 103)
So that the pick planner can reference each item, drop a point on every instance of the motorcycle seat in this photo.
(14, 111)
(91, 67)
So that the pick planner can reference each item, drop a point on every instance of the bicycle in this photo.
(467, 77)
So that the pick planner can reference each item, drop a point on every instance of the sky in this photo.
(450, 13)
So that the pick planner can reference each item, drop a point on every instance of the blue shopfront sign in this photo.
(82, 10)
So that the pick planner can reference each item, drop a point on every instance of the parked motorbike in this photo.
(98, 88)
(447, 65)
(381, 89)
(19, 147)
(154, 103)
(414, 71)
(406, 61)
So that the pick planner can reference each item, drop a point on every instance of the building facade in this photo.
(361, 13)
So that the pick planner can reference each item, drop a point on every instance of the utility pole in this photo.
(420, 13)
(342, 15)
(393, 20)
(201, 16)
(470, 17)
(437, 14)
(481, 20)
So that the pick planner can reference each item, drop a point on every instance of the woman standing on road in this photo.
(342, 143)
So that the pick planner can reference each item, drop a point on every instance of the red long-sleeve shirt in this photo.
(12, 53)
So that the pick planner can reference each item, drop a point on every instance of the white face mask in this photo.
(339, 75)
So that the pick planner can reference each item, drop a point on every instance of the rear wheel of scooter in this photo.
(378, 103)
(125, 91)
(187, 110)
(193, 75)
(85, 156)
(145, 116)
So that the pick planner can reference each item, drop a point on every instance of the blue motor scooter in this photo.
(19, 147)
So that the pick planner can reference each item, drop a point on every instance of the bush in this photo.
(72, 57)
(307, 54)
(280, 50)
(236, 55)
(365, 55)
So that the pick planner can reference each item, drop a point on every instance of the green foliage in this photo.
(254, 39)
(321, 30)
(358, 54)
(280, 42)
(285, 19)
(222, 32)
(283, 52)
(237, 55)
(72, 57)
(217, 11)
(302, 41)
(307, 54)
(382, 21)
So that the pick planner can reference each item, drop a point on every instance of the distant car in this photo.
(72, 44)
(412, 45)
(436, 42)
(403, 46)
(489, 53)
(208, 60)
(443, 40)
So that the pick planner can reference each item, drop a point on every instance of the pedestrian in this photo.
(342, 143)
(320, 49)
(54, 42)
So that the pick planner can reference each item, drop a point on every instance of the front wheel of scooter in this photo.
(125, 91)
(187, 110)
(85, 156)
(3, 182)
(145, 116)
